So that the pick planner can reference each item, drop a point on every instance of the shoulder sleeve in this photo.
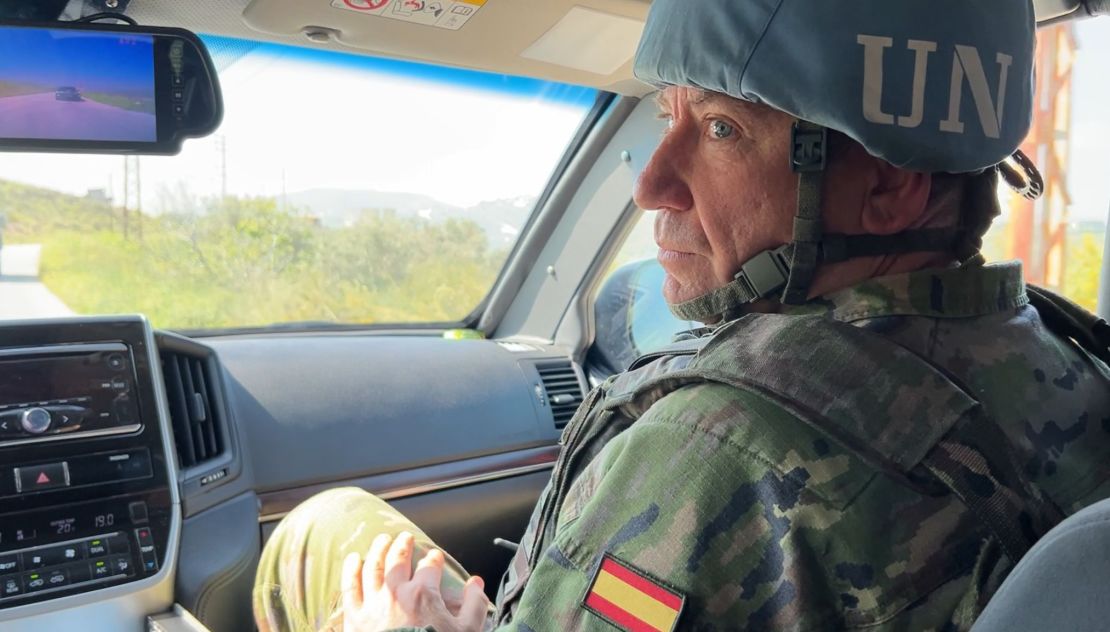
(698, 501)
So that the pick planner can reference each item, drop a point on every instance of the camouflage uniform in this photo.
(771, 476)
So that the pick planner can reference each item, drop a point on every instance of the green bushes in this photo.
(245, 262)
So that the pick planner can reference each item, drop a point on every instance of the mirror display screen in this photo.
(60, 84)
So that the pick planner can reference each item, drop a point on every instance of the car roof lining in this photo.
(493, 40)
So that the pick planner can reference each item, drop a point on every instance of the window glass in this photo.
(339, 189)
(638, 320)
(1060, 238)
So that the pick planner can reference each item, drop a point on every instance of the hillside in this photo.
(32, 212)
(501, 220)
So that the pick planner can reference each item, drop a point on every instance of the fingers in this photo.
(429, 572)
(398, 561)
(350, 584)
(373, 571)
(472, 615)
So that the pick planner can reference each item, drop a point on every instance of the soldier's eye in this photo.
(721, 130)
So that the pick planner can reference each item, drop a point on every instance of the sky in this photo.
(1089, 170)
(102, 62)
(298, 119)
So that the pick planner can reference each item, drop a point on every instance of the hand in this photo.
(383, 593)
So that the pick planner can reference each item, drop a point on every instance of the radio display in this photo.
(76, 389)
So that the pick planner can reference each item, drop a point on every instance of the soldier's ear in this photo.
(895, 199)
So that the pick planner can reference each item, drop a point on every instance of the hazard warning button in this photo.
(37, 478)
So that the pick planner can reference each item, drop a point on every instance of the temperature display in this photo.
(65, 526)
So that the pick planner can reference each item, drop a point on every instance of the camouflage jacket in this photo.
(696, 492)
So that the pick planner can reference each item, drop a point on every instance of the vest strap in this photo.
(983, 473)
(1069, 320)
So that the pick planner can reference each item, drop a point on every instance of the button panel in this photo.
(68, 564)
(146, 549)
(37, 478)
(79, 471)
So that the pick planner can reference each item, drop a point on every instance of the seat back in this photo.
(1063, 583)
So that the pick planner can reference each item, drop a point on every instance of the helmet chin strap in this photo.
(786, 273)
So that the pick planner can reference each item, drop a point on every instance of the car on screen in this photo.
(67, 93)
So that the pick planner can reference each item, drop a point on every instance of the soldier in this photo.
(875, 425)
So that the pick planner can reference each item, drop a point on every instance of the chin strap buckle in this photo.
(766, 273)
(809, 144)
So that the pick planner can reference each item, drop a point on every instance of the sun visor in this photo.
(588, 40)
(585, 42)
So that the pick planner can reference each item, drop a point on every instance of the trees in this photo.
(1084, 266)
(236, 262)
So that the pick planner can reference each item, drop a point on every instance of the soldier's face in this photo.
(722, 187)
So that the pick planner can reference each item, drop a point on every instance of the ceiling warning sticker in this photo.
(445, 14)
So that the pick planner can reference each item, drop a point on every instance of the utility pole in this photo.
(132, 194)
(221, 145)
(139, 197)
(111, 189)
(126, 191)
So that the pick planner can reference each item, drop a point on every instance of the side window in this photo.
(1060, 237)
(630, 316)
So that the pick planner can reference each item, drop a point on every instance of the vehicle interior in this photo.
(399, 263)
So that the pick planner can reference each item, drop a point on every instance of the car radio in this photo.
(57, 392)
(86, 497)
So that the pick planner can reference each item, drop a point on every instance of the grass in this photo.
(133, 104)
(99, 272)
(15, 89)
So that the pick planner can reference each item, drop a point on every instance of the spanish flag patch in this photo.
(632, 600)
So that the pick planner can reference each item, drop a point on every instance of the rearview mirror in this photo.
(104, 88)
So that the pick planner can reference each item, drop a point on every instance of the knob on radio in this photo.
(35, 420)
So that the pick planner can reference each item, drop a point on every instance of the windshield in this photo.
(339, 189)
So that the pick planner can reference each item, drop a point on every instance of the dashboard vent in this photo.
(564, 392)
(198, 423)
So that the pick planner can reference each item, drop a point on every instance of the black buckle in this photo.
(766, 273)
(808, 149)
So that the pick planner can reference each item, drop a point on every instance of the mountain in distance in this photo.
(500, 219)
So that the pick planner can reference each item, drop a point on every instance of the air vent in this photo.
(564, 392)
(198, 422)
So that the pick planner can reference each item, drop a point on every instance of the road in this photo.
(42, 116)
(22, 295)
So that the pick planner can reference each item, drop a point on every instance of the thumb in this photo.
(472, 614)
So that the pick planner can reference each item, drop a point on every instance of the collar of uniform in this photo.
(958, 292)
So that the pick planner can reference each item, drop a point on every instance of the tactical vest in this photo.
(836, 378)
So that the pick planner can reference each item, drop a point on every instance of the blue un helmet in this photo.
(926, 85)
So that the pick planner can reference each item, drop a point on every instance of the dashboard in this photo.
(88, 494)
(141, 471)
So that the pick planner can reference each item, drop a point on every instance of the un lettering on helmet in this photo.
(927, 85)
(967, 70)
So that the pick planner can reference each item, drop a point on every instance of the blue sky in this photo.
(411, 71)
(102, 62)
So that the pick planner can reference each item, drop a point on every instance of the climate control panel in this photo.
(41, 569)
